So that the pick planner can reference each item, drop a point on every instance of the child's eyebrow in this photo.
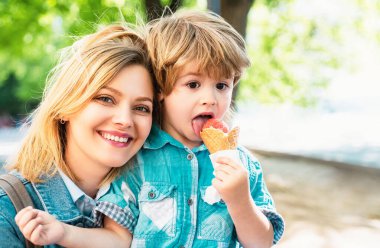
(189, 74)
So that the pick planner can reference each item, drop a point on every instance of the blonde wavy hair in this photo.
(194, 36)
(83, 69)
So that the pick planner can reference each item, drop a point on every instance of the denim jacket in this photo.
(161, 198)
(51, 196)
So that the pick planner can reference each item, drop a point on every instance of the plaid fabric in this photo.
(122, 216)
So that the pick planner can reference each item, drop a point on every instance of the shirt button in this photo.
(151, 195)
(190, 156)
(190, 202)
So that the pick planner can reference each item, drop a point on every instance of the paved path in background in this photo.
(324, 206)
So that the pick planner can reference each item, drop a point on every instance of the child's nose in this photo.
(208, 98)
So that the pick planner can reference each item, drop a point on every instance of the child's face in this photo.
(113, 126)
(195, 98)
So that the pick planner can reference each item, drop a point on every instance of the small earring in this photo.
(62, 121)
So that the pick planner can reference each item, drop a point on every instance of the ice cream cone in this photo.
(216, 140)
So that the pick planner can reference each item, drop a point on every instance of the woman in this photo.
(95, 114)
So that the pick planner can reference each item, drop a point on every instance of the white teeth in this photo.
(114, 138)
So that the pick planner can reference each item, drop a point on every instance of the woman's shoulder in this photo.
(4, 177)
(7, 210)
(10, 234)
(5, 201)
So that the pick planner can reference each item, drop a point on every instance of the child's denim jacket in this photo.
(51, 196)
(160, 199)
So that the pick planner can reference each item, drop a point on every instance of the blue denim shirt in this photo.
(51, 196)
(160, 199)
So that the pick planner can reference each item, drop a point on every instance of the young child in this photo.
(197, 59)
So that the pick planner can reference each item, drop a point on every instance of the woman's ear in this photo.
(160, 97)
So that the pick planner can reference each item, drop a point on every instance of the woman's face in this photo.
(113, 126)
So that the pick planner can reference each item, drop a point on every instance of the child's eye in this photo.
(144, 109)
(193, 85)
(222, 86)
(105, 99)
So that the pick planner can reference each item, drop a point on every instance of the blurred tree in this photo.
(288, 58)
(9, 104)
(32, 31)
(155, 8)
(294, 54)
(236, 13)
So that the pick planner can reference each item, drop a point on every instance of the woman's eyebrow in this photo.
(112, 89)
(144, 98)
(140, 98)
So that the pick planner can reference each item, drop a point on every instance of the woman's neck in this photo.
(89, 186)
(88, 177)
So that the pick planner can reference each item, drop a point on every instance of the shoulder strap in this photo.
(17, 193)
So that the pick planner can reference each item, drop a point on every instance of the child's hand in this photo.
(39, 227)
(231, 181)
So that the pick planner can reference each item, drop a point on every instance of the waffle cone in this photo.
(216, 140)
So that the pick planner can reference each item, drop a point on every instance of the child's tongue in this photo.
(198, 123)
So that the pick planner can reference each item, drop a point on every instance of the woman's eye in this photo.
(143, 109)
(193, 85)
(221, 86)
(105, 99)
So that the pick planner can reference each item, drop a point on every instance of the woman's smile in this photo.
(116, 139)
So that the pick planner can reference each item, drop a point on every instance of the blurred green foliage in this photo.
(293, 55)
(33, 31)
(7, 93)
(297, 47)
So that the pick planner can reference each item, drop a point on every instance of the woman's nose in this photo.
(123, 117)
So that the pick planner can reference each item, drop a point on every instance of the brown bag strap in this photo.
(17, 193)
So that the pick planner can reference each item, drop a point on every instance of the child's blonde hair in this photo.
(194, 36)
(85, 67)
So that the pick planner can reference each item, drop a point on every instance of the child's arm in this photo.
(42, 229)
(252, 226)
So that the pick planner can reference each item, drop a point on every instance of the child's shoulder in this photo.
(249, 160)
(247, 154)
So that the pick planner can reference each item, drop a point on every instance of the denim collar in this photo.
(56, 198)
(158, 138)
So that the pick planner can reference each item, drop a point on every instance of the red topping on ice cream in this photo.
(217, 124)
